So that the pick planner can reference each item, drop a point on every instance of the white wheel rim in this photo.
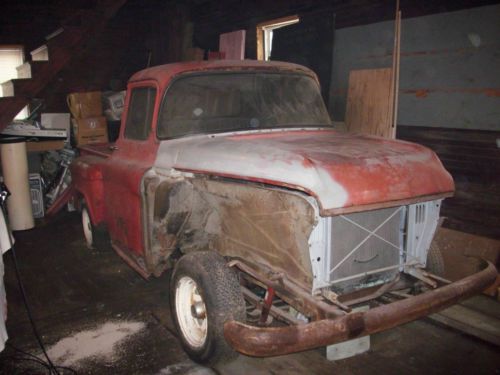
(187, 297)
(87, 227)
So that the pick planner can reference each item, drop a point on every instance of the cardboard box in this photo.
(85, 104)
(86, 139)
(90, 130)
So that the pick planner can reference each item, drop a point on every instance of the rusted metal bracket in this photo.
(273, 341)
(291, 293)
(333, 298)
(380, 291)
(277, 313)
(420, 275)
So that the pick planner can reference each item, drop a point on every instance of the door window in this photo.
(140, 113)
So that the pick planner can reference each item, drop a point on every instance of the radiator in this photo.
(358, 250)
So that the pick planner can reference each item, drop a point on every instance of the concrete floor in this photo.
(73, 289)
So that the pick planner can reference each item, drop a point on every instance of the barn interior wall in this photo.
(449, 67)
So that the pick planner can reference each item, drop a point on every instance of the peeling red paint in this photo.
(307, 163)
(340, 170)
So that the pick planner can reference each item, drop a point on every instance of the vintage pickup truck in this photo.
(231, 173)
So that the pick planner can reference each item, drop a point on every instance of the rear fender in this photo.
(88, 182)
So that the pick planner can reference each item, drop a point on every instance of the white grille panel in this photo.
(367, 248)
(365, 242)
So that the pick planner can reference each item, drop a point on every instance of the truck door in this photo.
(133, 155)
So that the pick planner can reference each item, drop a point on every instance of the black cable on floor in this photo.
(23, 356)
(4, 193)
(52, 367)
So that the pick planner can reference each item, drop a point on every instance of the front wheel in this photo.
(205, 293)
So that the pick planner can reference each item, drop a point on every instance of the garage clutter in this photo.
(52, 143)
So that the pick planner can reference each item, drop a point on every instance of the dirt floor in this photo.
(97, 316)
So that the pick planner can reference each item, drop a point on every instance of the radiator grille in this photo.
(366, 244)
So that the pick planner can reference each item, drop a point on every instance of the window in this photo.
(10, 58)
(222, 102)
(265, 35)
(140, 113)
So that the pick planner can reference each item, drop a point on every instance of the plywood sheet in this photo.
(233, 44)
(370, 102)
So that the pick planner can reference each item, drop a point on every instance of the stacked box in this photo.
(89, 125)
(90, 130)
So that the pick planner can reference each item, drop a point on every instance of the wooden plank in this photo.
(460, 225)
(472, 322)
(233, 44)
(470, 135)
(485, 305)
(369, 101)
(44, 146)
(473, 159)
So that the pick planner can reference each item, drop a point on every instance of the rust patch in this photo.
(421, 93)
(271, 341)
(355, 325)
(492, 92)
(266, 227)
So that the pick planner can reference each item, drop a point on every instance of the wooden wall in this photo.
(473, 159)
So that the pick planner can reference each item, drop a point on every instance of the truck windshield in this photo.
(220, 102)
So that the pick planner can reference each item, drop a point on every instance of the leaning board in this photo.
(370, 102)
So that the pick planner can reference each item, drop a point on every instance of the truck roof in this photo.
(164, 73)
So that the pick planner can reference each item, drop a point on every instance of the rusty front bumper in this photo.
(264, 342)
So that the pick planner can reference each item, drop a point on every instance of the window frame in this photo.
(131, 89)
(264, 34)
(217, 72)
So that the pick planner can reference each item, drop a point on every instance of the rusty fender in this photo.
(263, 342)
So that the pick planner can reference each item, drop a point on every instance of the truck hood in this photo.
(340, 170)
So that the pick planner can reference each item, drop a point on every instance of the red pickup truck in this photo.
(232, 174)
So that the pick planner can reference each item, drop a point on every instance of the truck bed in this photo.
(99, 149)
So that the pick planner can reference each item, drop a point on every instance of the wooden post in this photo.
(395, 71)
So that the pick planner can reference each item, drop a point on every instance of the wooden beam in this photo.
(394, 92)
(472, 322)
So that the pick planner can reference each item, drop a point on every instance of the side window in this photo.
(140, 113)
